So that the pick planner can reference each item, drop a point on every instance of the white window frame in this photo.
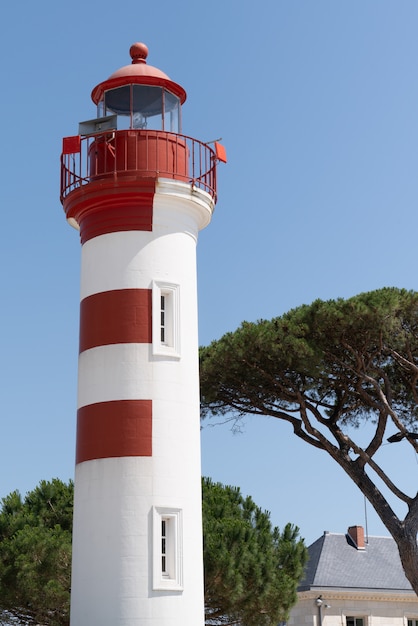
(356, 615)
(170, 576)
(170, 344)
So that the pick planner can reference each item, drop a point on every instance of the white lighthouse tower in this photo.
(138, 191)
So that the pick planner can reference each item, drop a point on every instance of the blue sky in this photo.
(317, 104)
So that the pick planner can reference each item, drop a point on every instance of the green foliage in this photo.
(326, 368)
(35, 553)
(251, 569)
(336, 356)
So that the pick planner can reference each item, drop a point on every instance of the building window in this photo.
(355, 621)
(167, 549)
(412, 622)
(165, 319)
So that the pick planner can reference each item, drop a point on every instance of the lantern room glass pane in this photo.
(147, 100)
(147, 107)
(144, 107)
(172, 111)
(118, 100)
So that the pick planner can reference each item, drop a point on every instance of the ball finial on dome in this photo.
(138, 52)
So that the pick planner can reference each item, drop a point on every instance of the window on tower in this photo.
(167, 548)
(164, 564)
(165, 319)
(163, 335)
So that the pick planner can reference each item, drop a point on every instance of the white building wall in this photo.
(379, 609)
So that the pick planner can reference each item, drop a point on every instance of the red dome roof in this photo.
(138, 73)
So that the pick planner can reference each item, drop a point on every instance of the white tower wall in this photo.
(121, 501)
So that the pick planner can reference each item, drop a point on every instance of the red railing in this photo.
(128, 154)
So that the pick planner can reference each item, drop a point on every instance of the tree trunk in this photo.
(403, 532)
(408, 551)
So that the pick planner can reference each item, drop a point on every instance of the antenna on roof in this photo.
(365, 520)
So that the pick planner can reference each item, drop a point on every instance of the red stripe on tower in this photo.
(111, 204)
(119, 316)
(114, 429)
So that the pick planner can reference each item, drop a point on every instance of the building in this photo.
(353, 580)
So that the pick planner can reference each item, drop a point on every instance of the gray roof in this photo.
(334, 561)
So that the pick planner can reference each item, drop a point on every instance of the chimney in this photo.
(356, 534)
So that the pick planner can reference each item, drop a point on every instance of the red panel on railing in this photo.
(71, 145)
(220, 152)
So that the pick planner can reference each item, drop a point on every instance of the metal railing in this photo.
(136, 154)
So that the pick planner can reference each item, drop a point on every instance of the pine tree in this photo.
(325, 369)
(35, 553)
(251, 569)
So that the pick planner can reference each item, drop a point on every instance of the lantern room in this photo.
(136, 136)
(141, 96)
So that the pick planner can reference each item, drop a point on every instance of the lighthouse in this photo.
(138, 191)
